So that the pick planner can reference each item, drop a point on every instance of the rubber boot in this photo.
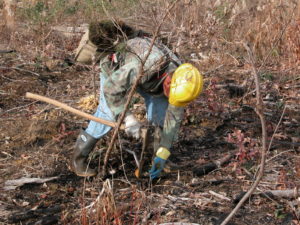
(84, 145)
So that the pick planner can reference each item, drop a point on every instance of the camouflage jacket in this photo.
(122, 69)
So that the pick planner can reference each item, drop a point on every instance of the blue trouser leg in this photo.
(156, 111)
(95, 129)
(156, 108)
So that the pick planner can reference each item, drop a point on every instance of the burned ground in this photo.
(37, 141)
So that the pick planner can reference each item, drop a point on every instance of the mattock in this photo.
(140, 161)
(145, 136)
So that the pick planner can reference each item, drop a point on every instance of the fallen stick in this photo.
(205, 169)
(205, 183)
(289, 193)
(13, 184)
(6, 51)
(219, 196)
(70, 109)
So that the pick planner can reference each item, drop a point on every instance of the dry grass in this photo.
(200, 31)
(293, 43)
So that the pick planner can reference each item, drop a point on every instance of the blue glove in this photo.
(159, 162)
(157, 166)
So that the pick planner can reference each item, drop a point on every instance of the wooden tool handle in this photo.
(70, 109)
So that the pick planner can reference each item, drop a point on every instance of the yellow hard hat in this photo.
(186, 85)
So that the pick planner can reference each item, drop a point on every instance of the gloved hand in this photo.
(132, 126)
(159, 162)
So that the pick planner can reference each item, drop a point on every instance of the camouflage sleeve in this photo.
(118, 84)
(171, 125)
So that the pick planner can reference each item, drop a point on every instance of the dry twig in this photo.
(289, 193)
(132, 91)
(276, 129)
(19, 69)
(260, 113)
(219, 196)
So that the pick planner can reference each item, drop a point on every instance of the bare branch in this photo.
(260, 113)
(276, 129)
(132, 91)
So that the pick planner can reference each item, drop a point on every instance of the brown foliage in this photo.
(293, 42)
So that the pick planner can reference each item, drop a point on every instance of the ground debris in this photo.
(48, 215)
(205, 169)
(13, 184)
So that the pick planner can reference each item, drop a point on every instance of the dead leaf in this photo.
(52, 64)
(280, 136)
(88, 102)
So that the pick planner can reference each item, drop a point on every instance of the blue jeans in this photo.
(156, 110)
